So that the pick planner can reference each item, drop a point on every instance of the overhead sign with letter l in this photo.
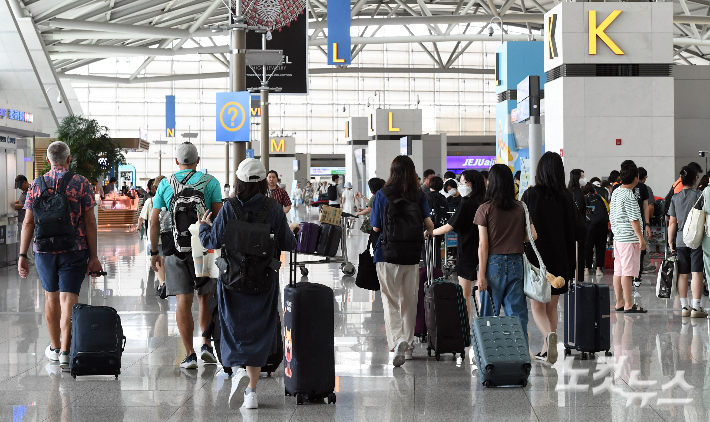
(170, 116)
(233, 116)
(339, 33)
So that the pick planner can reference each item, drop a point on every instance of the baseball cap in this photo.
(251, 170)
(186, 153)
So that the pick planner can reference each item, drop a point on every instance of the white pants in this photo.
(400, 289)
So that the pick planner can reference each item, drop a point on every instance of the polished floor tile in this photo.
(659, 371)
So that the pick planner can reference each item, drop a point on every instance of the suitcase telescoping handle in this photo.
(429, 259)
(292, 268)
(490, 297)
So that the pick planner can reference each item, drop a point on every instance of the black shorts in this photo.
(690, 260)
(468, 272)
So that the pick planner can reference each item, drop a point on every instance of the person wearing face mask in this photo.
(454, 197)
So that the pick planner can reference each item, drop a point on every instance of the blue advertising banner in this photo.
(339, 32)
(233, 116)
(170, 116)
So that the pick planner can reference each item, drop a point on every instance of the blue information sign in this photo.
(339, 32)
(170, 116)
(233, 116)
(250, 153)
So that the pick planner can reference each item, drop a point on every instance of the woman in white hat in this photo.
(248, 321)
(348, 199)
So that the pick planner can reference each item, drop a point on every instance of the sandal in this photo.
(636, 310)
(619, 309)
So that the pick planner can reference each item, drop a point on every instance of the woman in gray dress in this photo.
(248, 321)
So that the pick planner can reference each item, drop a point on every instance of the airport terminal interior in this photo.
(323, 102)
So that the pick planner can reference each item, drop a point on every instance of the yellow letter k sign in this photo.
(598, 31)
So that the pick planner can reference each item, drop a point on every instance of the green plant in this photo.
(93, 151)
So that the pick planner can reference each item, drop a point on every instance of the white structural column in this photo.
(596, 122)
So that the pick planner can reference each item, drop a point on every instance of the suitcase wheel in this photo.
(438, 356)
(299, 399)
(463, 355)
(268, 374)
(487, 384)
(584, 356)
(527, 367)
(489, 369)
(593, 355)
(331, 398)
(607, 353)
(428, 351)
(568, 352)
(524, 383)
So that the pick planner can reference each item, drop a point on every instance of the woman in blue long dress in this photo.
(248, 321)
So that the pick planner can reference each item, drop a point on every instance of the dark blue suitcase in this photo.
(309, 345)
(587, 315)
(97, 341)
(502, 353)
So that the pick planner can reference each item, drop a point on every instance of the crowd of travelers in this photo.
(572, 224)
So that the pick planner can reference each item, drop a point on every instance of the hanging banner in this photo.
(288, 23)
(170, 116)
(339, 33)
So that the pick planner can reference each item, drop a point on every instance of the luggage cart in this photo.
(345, 266)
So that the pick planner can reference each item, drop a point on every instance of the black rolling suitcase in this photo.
(309, 346)
(502, 353)
(329, 239)
(97, 340)
(445, 313)
(587, 325)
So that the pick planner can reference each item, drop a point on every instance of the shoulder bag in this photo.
(536, 285)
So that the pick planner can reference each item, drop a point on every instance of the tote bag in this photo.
(694, 227)
(536, 285)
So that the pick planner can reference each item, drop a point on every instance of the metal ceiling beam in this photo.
(441, 19)
(124, 51)
(432, 38)
(137, 31)
(317, 71)
(691, 41)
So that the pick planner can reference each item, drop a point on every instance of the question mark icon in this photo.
(233, 112)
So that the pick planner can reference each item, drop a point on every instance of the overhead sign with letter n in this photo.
(233, 116)
(170, 116)
(339, 33)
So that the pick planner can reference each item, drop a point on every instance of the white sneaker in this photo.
(64, 361)
(240, 382)
(408, 355)
(250, 401)
(399, 352)
(600, 273)
(52, 354)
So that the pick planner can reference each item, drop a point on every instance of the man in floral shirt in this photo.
(62, 272)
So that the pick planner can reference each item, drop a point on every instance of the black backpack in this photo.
(54, 231)
(332, 192)
(667, 200)
(439, 207)
(247, 263)
(599, 216)
(402, 232)
(187, 202)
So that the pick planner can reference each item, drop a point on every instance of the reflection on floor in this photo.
(659, 371)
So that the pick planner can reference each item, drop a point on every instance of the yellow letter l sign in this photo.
(391, 128)
(598, 31)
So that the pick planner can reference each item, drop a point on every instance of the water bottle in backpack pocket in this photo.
(54, 230)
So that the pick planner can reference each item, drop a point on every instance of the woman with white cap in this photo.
(248, 321)
(348, 200)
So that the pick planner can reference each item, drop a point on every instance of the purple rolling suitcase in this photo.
(308, 238)
(420, 328)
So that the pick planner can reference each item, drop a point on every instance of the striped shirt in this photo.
(624, 210)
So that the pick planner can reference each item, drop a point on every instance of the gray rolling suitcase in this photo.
(501, 350)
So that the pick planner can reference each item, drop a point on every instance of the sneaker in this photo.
(208, 355)
(600, 273)
(64, 361)
(190, 362)
(698, 313)
(250, 401)
(399, 351)
(637, 282)
(552, 347)
(240, 382)
(685, 312)
(541, 356)
(408, 355)
(52, 354)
